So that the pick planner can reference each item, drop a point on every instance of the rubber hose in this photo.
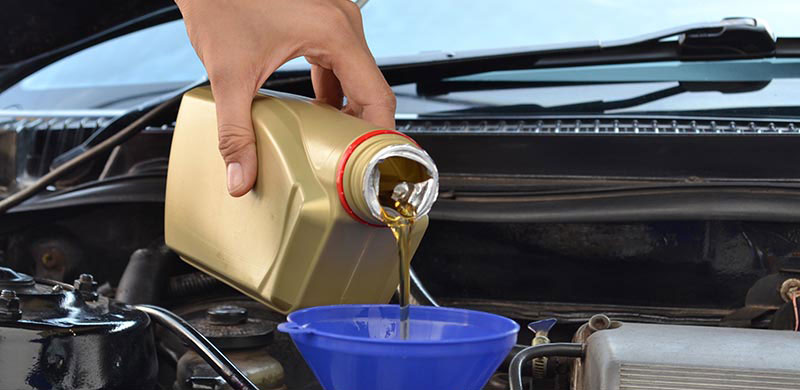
(517, 348)
(93, 152)
(216, 359)
(574, 350)
(188, 284)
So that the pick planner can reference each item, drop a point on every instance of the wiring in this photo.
(574, 350)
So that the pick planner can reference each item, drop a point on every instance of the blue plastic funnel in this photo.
(356, 347)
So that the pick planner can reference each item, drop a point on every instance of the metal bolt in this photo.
(227, 315)
(599, 322)
(788, 288)
(9, 306)
(86, 286)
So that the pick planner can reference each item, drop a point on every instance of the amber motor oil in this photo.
(311, 232)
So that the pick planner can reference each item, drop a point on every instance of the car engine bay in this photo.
(651, 280)
(630, 205)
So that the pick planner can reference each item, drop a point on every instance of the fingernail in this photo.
(234, 176)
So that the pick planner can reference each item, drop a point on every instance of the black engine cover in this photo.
(56, 336)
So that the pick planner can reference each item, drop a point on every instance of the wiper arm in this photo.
(732, 38)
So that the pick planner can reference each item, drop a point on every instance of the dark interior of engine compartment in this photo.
(723, 268)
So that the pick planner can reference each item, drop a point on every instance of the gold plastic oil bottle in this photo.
(310, 232)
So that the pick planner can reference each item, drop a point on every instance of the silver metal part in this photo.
(596, 323)
(604, 125)
(402, 192)
(540, 364)
(193, 373)
(422, 195)
(541, 329)
(9, 306)
(788, 288)
(216, 359)
(667, 357)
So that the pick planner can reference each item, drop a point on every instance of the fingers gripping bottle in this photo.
(310, 232)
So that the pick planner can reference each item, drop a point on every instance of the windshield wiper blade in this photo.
(601, 106)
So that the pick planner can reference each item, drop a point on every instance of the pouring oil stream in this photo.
(401, 225)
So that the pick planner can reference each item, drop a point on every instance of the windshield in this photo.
(159, 54)
(117, 73)
(138, 66)
(406, 27)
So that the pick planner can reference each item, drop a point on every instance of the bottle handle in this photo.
(293, 328)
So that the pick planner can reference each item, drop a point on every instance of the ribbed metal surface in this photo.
(662, 377)
(44, 138)
(601, 126)
(52, 123)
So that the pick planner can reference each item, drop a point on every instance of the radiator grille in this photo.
(644, 126)
(662, 377)
(41, 139)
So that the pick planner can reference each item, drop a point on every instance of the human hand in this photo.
(241, 42)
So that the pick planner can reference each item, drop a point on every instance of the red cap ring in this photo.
(343, 164)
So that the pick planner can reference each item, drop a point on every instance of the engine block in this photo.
(667, 357)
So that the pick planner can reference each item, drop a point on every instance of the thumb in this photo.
(237, 143)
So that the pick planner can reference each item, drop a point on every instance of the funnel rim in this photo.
(311, 331)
